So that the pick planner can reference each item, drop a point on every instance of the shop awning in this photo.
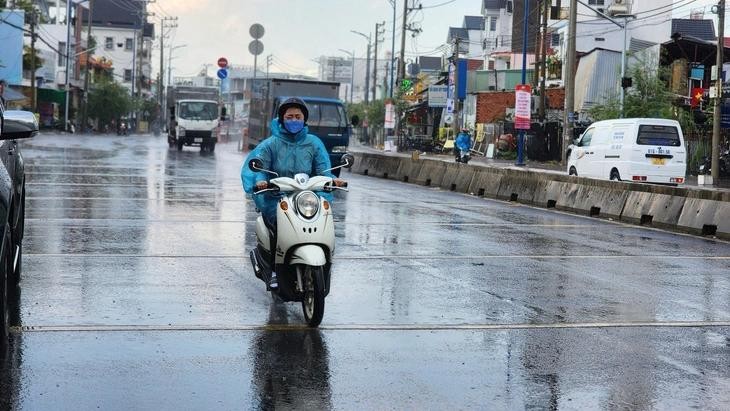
(51, 95)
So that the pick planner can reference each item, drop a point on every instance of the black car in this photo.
(16, 125)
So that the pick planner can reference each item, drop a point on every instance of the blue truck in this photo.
(327, 115)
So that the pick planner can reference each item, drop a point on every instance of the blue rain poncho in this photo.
(286, 154)
(463, 141)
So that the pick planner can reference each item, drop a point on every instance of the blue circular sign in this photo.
(222, 73)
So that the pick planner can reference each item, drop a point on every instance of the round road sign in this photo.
(222, 73)
(256, 30)
(222, 62)
(256, 47)
(448, 119)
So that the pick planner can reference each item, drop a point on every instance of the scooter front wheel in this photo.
(313, 302)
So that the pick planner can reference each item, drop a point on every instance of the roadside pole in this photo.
(521, 138)
(569, 81)
(715, 165)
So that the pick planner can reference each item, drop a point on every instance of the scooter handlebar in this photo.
(269, 187)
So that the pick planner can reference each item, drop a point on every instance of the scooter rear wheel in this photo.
(313, 303)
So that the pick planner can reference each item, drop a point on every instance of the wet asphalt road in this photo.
(137, 293)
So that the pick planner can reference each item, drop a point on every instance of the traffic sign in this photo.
(448, 119)
(256, 31)
(256, 47)
(222, 74)
(222, 62)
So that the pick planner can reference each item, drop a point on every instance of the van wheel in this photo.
(615, 176)
(572, 171)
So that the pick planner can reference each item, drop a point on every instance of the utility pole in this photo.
(715, 164)
(538, 46)
(85, 115)
(161, 77)
(367, 76)
(455, 96)
(33, 98)
(545, 40)
(375, 58)
(68, 63)
(569, 81)
(392, 49)
(402, 61)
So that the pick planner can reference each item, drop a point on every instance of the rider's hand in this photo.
(340, 182)
(261, 185)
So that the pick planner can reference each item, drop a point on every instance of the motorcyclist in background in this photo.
(462, 143)
(288, 151)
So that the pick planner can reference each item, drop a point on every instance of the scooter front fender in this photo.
(308, 254)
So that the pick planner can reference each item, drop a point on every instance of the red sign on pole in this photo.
(222, 62)
(523, 97)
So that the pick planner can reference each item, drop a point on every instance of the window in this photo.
(62, 49)
(127, 75)
(128, 44)
(109, 43)
(493, 24)
(658, 136)
(600, 39)
(326, 115)
(585, 141)
(596, 2)
(198, 111)
(555, 39)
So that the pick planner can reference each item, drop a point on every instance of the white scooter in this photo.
(304, 241)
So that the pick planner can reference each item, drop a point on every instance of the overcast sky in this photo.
(298, 31)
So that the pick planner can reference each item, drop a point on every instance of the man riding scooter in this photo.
(288, 151)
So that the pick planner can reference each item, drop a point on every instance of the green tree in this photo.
(108, 100)
(28, 58)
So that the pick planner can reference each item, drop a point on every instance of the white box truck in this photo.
(193, 117)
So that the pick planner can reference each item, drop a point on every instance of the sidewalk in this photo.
(544, 167)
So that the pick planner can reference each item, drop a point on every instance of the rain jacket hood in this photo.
(287, 154)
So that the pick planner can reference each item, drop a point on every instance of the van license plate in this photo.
(200, 140)
(658, 161)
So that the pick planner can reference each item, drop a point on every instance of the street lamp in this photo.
(623, 60)
(367, 65)
(169, 62)
(352, 70)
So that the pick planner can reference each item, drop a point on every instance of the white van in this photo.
(648, 150)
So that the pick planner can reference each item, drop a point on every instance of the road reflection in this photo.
(10, 370)
(291, 368)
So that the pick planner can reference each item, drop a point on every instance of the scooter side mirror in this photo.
(347, 160)
(256, 164)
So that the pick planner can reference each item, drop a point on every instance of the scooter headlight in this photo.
(307, 204)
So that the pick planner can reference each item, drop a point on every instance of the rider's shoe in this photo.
(273, 282)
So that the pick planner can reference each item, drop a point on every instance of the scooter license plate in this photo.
(658, 161)
(198, 140)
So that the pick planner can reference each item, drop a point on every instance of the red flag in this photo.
(697, 94)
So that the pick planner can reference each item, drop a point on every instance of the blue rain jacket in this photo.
(287, 154)
(463, 141)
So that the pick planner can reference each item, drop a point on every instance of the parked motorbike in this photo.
(123, 129)
(462, 156)
(724, 161)
(304, 240)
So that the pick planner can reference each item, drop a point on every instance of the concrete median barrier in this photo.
(654, 209)
(705, 217)
(408, 170)
(432, 173)
(517, 186)
(695, 210)
(485, 183)
(457, 177)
